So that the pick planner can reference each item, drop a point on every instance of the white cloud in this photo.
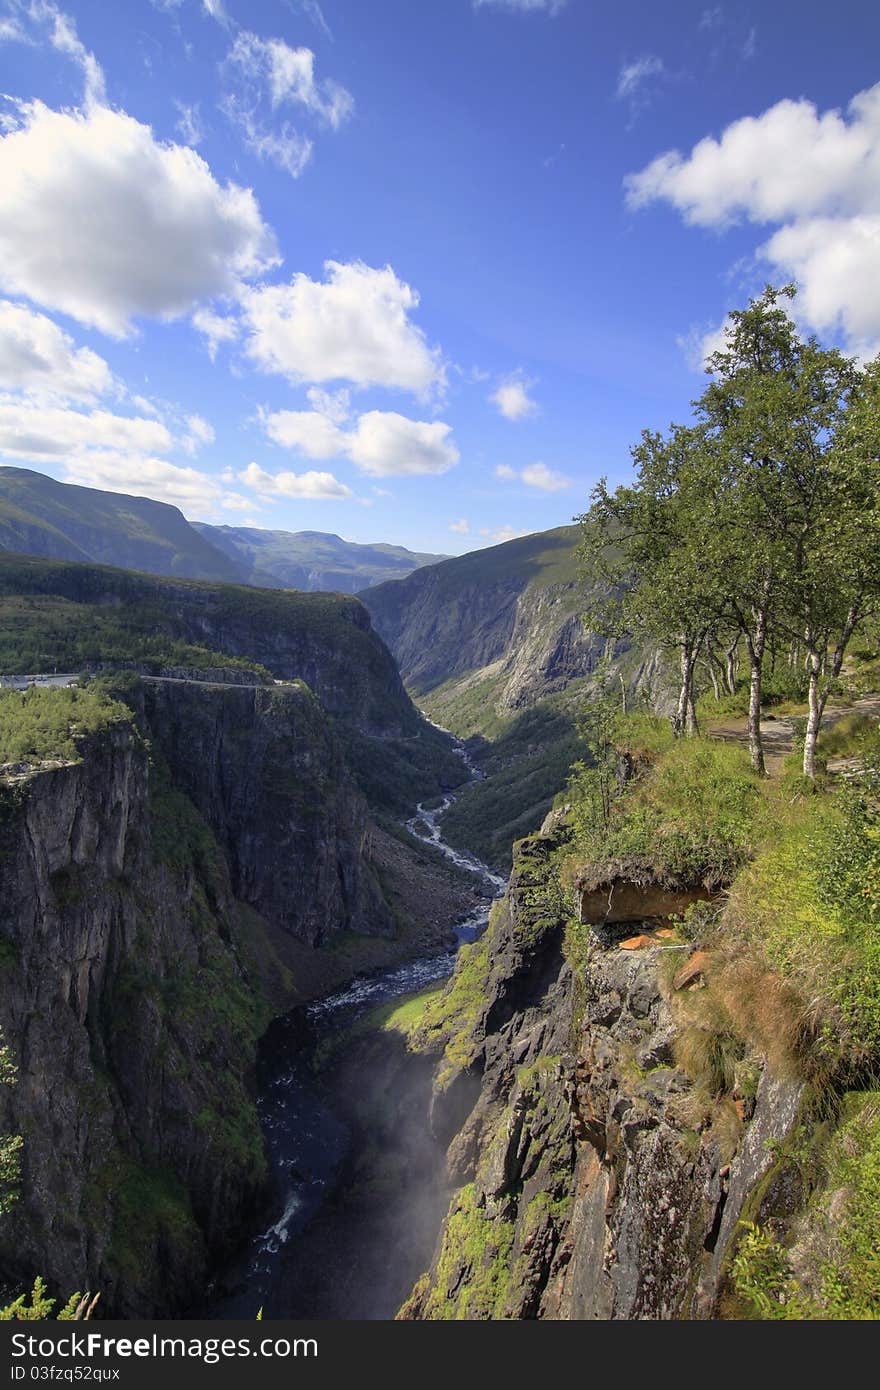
(789, 162)
(512, 398)
(217, 329)
(501, 533)
(836, 262)
(37, 432)
(195, 492)
(38, 358)
(815, 175)
(700, 342)
(287, 148)
(316, 15)
(633, 76)
(336, 405)
(310, 485)
(36, 21)
(310, 433)
(546, 479)
(382, 443)
(462, 527)
(711, 18)
(289, 74)
(189, 126)
(264, 75)
(101, 221)
(215, 9)
(536, 475)
(551, 7)
(198, 434)
(354, 326)
(386, 444)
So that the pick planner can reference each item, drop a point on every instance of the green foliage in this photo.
(809, 902)
(693, 818)
(761, 1277)
(42, 723)
(840, 1262)
(10, 1144)
(473, 1269)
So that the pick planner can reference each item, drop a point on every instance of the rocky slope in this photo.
(508, 612)
(590, 1182)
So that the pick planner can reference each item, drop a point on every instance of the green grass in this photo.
(694, 819)
(402, 1015)
(44, 723)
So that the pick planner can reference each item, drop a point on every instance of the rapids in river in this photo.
(307, 1261)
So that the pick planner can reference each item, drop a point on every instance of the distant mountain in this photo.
(61, 521)
(311, 560)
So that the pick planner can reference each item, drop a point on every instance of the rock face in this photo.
(509, 612)
(150, 891)
(587, 1187)
(132, 1020)
(325, 640)
(265, 770)
(622, 900)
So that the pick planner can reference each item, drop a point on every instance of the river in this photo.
(322, 1253)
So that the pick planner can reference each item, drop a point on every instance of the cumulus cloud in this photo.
(512, 398)
(311, 485)
(354, 326)
(216, 328)
(37, 432)
(197, 493)
(536, 475)
(308, 432)
(386, 444)
(462, 527)
(102, 221)
(816, 175)
(36, 357)
(381, 443)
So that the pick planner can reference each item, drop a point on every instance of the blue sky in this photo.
(410, 270)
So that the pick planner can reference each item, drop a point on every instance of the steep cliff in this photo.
(167, 883)
(513, 604)
(132, 1018)
(593, 1182)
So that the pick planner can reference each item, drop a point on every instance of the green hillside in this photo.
(39, 516)
(311, 559)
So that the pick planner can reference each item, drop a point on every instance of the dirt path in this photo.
(778, 732)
